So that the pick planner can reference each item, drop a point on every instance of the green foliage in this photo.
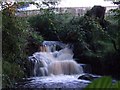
(33, 42)
(15, 31)
(12, 48)
(37, 37)
(103, 83)
(116, 85)
(11, 72)
(48, 24)
(117, 18)
(42, 24)
(85, 30)
(114, 27)
(91, 36)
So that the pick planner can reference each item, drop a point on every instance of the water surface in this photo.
(58, 81)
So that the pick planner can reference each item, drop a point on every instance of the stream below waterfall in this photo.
(59, 81)
(54, 67)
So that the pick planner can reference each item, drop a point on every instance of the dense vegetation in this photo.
(93, 43)
(16, 39)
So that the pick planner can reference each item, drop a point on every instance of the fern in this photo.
(104, 82)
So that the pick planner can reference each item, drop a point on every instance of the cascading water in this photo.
(54, 67)
(52, 62)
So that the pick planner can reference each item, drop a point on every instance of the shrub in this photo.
(49, 24)
(15, 31)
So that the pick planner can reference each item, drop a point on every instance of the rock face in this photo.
(99, 13)
(88, 77)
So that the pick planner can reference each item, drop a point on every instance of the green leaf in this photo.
(116, 85)
(103, 82)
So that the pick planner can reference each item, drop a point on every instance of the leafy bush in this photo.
(15, 31)
(90, 36)
(112, 59)
(49, 24)
(12, 47)
(33, 42)
(113, 29)
(11, 73)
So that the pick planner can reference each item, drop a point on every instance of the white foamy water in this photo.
(58, 81)
(51, 62)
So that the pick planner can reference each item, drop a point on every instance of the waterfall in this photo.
(51, 61)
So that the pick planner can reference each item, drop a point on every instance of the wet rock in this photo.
(89, 77)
